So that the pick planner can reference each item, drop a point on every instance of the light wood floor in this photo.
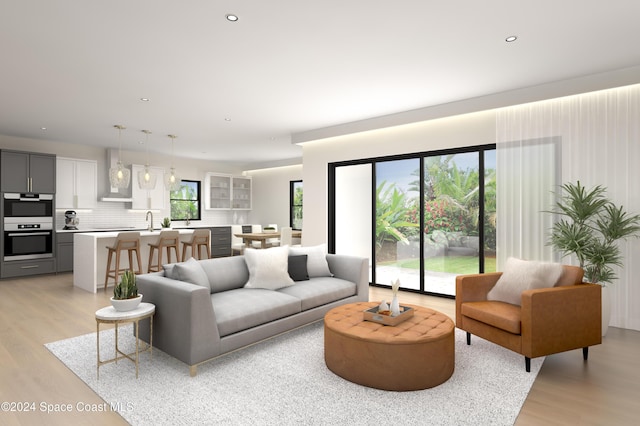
(35, 311)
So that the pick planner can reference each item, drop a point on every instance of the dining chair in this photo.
(256, 229)
(237, 243)
(286, 236)
(273, 242)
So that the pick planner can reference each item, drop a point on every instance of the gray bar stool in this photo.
(167, 240)
(199, 239)
(129, 241)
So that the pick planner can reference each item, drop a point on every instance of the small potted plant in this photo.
(166, 223)
(125, 293)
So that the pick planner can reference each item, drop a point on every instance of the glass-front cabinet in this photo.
(241, 193)
(217, 191)
(225, 192)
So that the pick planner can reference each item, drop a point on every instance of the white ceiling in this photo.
(78, 67)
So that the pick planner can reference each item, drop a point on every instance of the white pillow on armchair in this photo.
(520, 275)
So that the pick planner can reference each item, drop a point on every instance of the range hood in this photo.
(116, 195)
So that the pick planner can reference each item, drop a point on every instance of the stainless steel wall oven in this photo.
(27, 220)
(28, 205)
(27, 238)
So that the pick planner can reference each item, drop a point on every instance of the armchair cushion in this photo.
(504, 316)
(520, 275)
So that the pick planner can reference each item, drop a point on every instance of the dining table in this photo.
(249, 237)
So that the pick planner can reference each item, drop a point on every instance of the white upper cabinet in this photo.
(149, 199)
(217, 192)
(225, 192)
(241, 193)
(76, 183)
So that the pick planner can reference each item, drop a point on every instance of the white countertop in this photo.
(124, 228)
(143, 233)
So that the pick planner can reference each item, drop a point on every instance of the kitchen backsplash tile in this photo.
(115, 215)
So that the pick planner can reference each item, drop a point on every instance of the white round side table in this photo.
(109, 315)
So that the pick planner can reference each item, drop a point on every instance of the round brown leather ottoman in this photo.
(416, 354)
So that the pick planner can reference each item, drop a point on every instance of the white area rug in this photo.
(284, 381)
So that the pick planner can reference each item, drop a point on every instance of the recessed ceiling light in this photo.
(43, 128)
(227, 119)
(144, 99)
(231, 17)
(511, 39)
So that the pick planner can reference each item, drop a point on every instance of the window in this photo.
(295, 203)
(423, 218)
(185, 202)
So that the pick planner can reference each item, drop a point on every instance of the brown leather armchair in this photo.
(549, 320)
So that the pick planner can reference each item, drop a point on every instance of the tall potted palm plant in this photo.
(590, 227)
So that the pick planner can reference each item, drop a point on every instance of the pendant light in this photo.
(171, 180)
(119, 176)
(147, 179)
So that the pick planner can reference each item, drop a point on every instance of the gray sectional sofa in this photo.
(204, 310)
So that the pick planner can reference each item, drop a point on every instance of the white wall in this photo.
(271, 194)
(459, 131)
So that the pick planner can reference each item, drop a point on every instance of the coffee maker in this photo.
(70, 220)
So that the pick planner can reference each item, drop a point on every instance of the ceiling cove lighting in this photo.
(511, 39)
(147, 179)
(171, 180)
(231, 17)
(119, 176)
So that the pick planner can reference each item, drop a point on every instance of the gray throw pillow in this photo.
(169, 270)
(191, 272)
(298, 267)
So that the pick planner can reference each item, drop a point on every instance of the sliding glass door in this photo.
(432, 216)
(453, 241)
(397, 228)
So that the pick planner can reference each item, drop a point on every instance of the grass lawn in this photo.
(451, 264)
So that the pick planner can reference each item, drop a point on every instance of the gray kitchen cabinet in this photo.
(220, 241)
(27, 172)
(23, 268)
(64, 252)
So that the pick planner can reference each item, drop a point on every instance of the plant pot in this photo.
(606, 309)
(123, 305)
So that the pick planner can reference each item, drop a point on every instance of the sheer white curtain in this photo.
(527, 174)
(597, 141)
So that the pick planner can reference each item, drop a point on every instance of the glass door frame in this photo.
(331, 205)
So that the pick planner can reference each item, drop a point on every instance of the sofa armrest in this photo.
(351, 268)
(473, 288)
(562, 318)
(184, 324)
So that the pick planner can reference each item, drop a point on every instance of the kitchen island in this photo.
(90, 256)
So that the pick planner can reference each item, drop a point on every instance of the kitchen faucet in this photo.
(147, 218)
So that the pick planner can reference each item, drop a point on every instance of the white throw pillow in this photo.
(317, 265)
(268, 268)
(191, 271)
(520, 275)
